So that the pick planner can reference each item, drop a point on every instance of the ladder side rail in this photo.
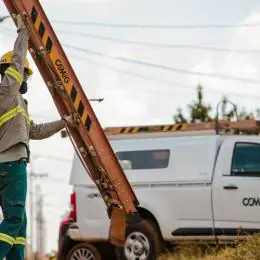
(62, 108)
(94, 132)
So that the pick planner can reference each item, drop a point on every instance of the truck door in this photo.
(236, 188)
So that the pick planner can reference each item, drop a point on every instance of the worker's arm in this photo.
(13, 78)
(42, 131)
(20, 51)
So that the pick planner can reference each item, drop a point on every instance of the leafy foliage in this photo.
(199, 111)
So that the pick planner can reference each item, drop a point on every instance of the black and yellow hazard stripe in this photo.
(48, 45)
(40, 27)
(80, 108)
(177, 127)
(146, 129)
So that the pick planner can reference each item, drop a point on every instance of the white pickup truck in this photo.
(204, 187)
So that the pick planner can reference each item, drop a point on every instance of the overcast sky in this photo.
(134, 93)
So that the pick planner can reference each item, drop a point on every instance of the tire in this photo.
(143, 242)
(107, 250)
(83, 251)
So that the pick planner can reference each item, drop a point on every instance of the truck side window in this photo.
(246, 160)
(141, 160)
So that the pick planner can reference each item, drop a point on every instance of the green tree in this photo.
(200, 112)
(179, 117)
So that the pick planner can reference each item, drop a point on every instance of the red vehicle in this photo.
(69, 249)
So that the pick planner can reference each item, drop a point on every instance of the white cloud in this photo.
(128, 99)
(238, 65)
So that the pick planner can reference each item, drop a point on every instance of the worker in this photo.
(16, 129)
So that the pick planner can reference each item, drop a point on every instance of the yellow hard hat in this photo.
(7, 59)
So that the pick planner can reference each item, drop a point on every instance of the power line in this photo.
(164, 67)
(161, 66)
(156, 45)
(156, 26)
(163, 81)
(153, 26)
(136, 74)
(160, 45)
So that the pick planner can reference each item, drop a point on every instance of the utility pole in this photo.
(40, 223)
(31, 217)
(32, 176)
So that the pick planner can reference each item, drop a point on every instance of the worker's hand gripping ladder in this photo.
(87, 136)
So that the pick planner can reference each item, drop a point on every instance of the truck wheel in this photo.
(84, 251)
(143, 242)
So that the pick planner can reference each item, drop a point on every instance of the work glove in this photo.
(69, 120)
(19, 22)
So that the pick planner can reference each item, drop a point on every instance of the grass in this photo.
(247, 250)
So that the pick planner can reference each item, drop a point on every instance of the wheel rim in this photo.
(82, 254)
(137, 246)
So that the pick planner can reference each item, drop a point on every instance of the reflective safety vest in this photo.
(14, 119)
(13, 113)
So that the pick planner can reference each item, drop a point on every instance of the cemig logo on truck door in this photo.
(251, 202)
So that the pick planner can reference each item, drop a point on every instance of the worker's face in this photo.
(25, 76)
(24, 87)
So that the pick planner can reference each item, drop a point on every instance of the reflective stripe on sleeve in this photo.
(15, 74)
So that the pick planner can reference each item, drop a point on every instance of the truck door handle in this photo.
(93, 195)
(230, 187)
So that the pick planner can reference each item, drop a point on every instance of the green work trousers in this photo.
(13, 188)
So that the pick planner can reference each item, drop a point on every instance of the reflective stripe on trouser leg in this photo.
(17, 251)
(20, 241)
(13, 187)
